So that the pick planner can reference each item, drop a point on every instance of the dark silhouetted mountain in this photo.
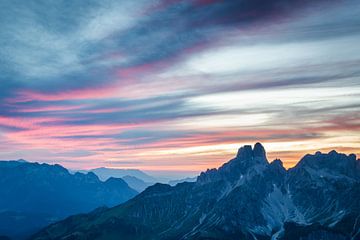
(32, 195)
(135, 183)
(188, 179)
(4, 238)
(246, 198)
(105, 173)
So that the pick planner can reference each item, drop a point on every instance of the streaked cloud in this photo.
(177, 85)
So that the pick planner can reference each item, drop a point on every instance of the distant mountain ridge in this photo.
(105, 173)
(135, 178)
(136, 183)
(188, 179)
(32, 195)
(246, 198)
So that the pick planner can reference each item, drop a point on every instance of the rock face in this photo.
(33, 195)
(246, 198)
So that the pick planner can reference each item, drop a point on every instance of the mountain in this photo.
(188, 179)
(136, 183)
(32, 195)
(136, 179)
(105, 173)
(246, 198)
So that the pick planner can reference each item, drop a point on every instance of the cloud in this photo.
(163, 81)
(47, 52)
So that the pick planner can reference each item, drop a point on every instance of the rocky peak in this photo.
(245, 152)
(246, 158)
(259, 151)
(333, 161)
(252, 156)
(277, 163)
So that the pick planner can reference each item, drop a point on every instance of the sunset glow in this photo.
(154, 86)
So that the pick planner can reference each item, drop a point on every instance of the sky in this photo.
(177, 86)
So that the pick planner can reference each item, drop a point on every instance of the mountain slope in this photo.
(33, 195)
(246, 198)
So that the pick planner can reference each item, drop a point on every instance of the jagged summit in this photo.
(250, 156)
(327, 160)
(245, 152)
(277, 163)
(334, 162)
(247, 158)
(248, 152)
(259, 150)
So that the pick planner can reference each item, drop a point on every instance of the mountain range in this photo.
(246, 198)
(135, 178)
(33, 195)
(105, 173)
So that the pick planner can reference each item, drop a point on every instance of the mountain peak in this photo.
(277, 162)
(256, 155)
(21, 160)
(332, 161)
(259, 150)
(245, 152)
(246, 158)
